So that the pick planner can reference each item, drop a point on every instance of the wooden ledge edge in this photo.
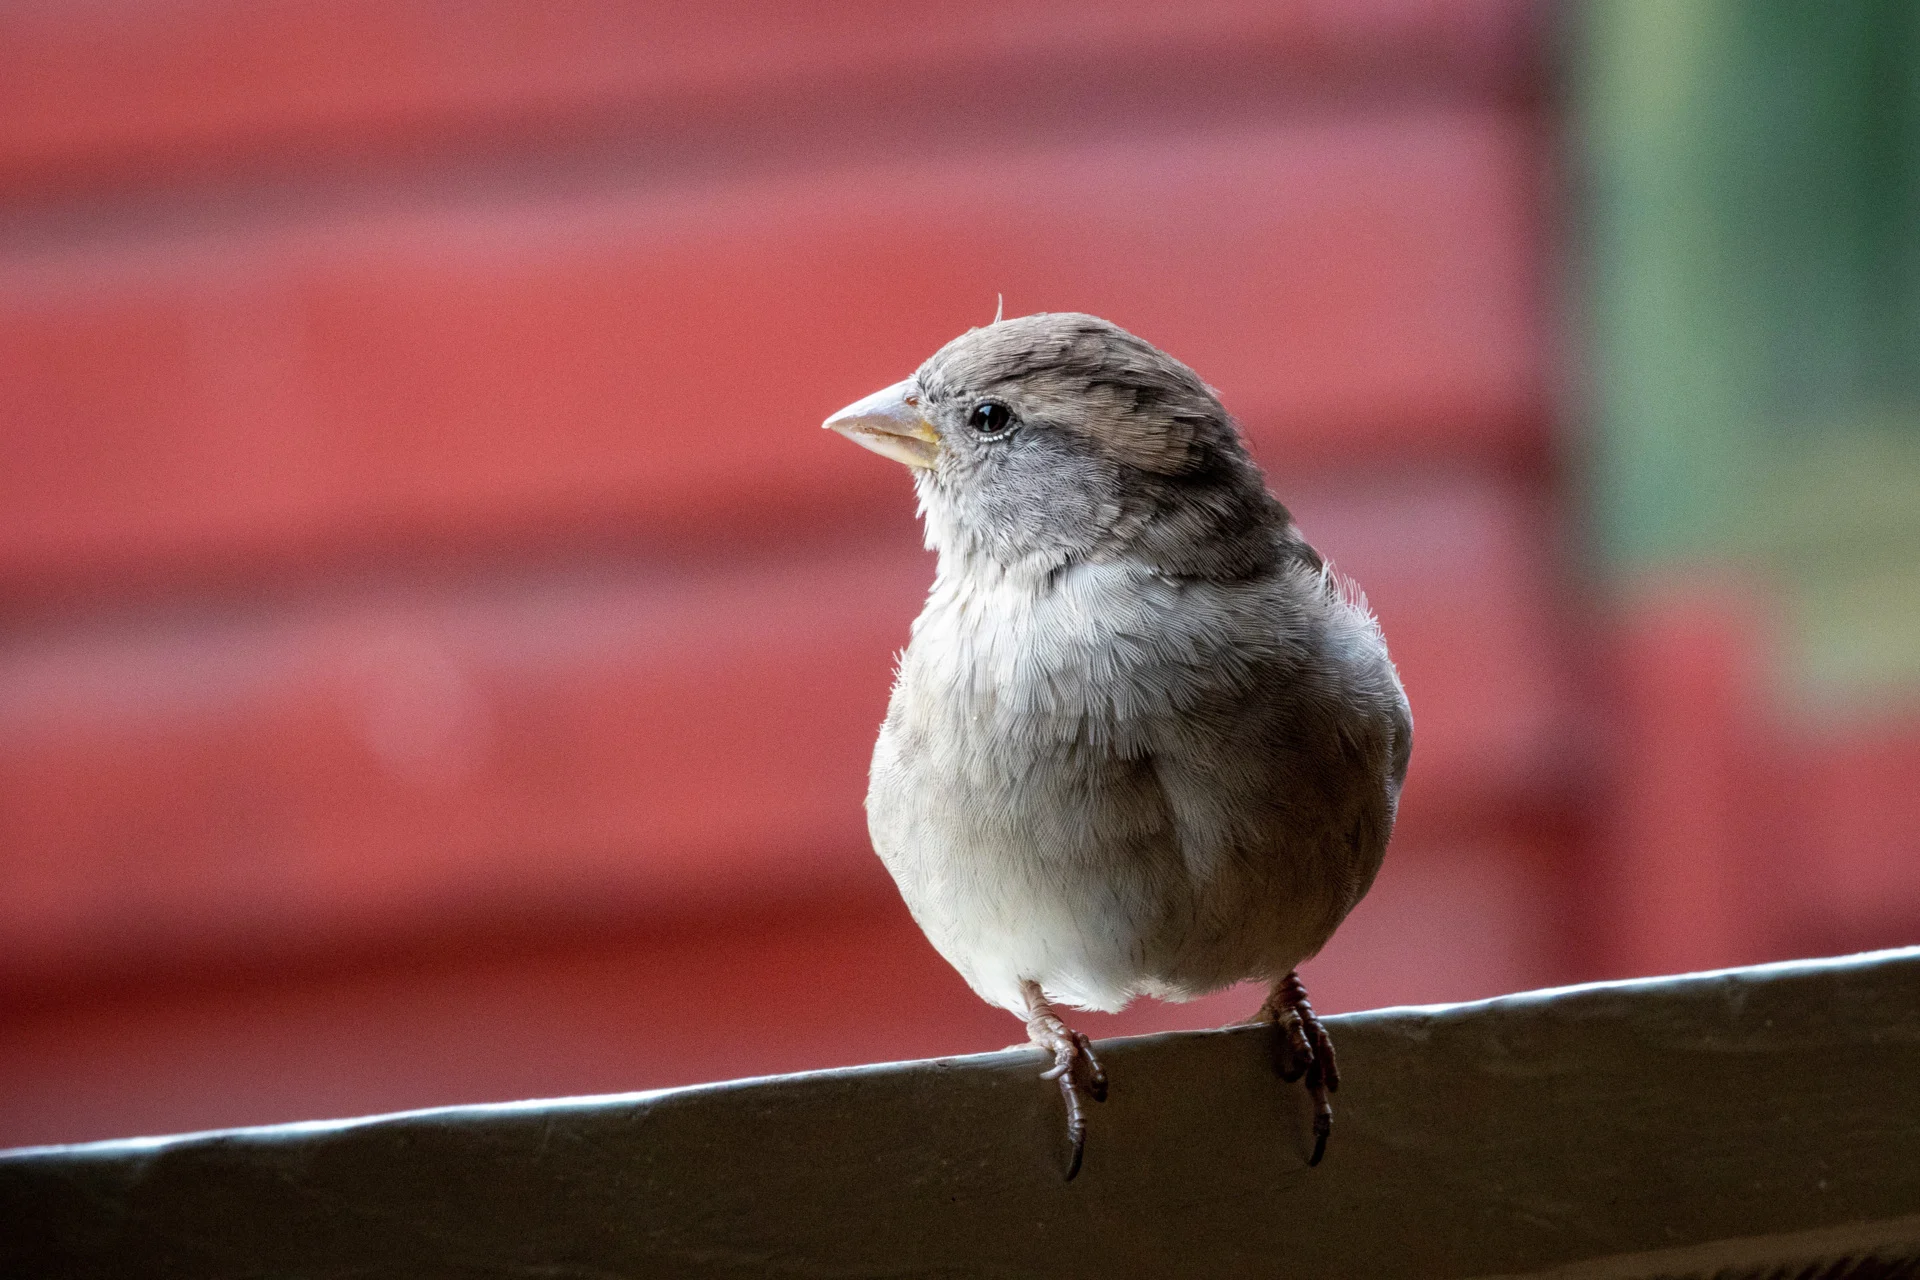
(1519, 1000)
(1655, 1126)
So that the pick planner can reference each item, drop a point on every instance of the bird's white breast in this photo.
(1084, 778)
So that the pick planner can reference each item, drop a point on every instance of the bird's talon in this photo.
(1096, 1074)
(1322, 1127)
(1328, 1065)
(1079, 1141)
(1076, 1117)
(1309, 1051)
(1072, 1058)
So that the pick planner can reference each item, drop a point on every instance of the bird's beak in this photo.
(890, 422)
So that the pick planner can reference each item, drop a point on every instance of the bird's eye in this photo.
(990, 418)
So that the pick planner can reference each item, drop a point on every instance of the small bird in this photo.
(1144, 740)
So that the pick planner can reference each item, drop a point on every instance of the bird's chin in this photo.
(911, 451)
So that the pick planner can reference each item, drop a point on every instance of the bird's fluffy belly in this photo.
(1053, 870)
(1040, 830)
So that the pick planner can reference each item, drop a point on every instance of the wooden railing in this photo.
(1749, 1122)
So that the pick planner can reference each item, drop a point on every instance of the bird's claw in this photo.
(1096, 1074)
(1298, 1043)
(1309, 1054)
(1077, 1050)
(1078, 1073)
(1075, 1069)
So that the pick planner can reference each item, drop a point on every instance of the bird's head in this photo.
(1053, 438)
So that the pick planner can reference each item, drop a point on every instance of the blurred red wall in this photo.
(438, 650)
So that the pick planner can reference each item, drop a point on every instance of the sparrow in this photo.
(1144, 741)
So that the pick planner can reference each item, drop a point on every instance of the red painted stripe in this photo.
(134, 91)
(658, 361)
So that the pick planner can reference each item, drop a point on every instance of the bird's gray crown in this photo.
(1081, 373)
(1064, 437)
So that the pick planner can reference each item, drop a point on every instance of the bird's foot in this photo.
(1309, 1053)
(1074, 1067)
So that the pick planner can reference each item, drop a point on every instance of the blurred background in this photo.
(439, 652)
